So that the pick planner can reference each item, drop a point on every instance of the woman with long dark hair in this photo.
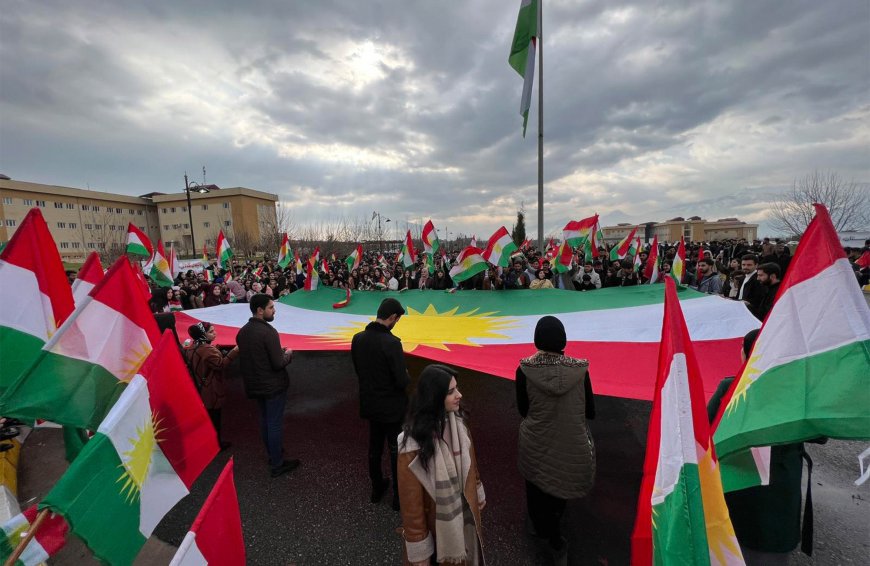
(439, 486)
(208, 364)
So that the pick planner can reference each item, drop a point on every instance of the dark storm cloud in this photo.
(343, 107)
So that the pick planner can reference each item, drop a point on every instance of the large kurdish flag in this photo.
(79, 373)
(37, 296)
(142, 460)
(490, 332)
(808, 374)
(681, 512)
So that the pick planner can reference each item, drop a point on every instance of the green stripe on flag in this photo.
(839, 402)
(679, 529)
(513, 303)
(64, 390)
(19, 349)
(89, 496)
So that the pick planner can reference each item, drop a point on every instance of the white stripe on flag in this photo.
(188, 553)
(21, 285)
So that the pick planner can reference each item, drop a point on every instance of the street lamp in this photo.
(380, 234)
(202, 189)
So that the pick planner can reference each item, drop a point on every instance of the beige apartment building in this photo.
(83, 220)
(695, 229)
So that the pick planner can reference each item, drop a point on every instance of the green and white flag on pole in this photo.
(522, 55)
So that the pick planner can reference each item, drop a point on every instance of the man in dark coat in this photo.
(263, 365)
(769, 275)
(751, 292)
(379, 362)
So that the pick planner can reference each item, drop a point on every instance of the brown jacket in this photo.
(208, 365)
(416, 494)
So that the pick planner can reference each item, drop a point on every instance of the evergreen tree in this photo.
(518, 232)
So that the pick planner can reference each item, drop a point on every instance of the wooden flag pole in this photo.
(19, 550)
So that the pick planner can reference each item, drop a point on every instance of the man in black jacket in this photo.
(751, 292)
(383, 400)
(264, 372)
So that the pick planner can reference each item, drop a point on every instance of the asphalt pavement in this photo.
(320, 513)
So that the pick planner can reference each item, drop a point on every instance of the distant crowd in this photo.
(735, 269)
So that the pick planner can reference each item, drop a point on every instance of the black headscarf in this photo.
(198, 332)
(550, 335)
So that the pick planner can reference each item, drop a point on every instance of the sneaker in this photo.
(378, 492)
(286, 466)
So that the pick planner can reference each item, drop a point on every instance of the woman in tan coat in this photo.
(207, 364)
(437, 464)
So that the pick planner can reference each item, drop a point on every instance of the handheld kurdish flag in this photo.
(216, 535)
(637, 249)
(681, 512)
(431, 245)
(172, 260)
(204, 255)
(382, 262)
(564, 258)
(224, 252)
(469, 263)
(808, 374)
(444, 259)
(77, 375)
(354, 258)
(284, 255)
(499, 248)
(137, 242)
(89, 275)
(49, 539)
(577, 232)
(651, 271)
(522, 55)
(298, 262)
(409, 254)
(312, 277)
(142, 460)
(159, 271)
(678, 268)
(31, 272)
(623, 248)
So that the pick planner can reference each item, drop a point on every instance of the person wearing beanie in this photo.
(379, 362)
(556, 453)
(207, 365)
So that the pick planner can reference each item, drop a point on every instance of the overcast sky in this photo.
(408, 107)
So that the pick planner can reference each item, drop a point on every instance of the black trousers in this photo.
(378, 433)
(215, 416)
(546, 512)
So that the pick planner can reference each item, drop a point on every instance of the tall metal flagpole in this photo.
(540, 127)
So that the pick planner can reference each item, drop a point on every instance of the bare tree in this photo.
(105, 232)
(848, 203)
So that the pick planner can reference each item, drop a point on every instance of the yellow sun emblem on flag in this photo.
(434, 329)
(747, 378)
(133, 360)
(720, 533)
(136, 461)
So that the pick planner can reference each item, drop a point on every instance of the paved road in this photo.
(320, 513)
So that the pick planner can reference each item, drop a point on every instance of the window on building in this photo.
(61, 224)
(166, 226)
(186, 226)
(70, 206)
(227, 223)
(98, 226)
(28, 201)
(115, 245)
(172, 209)
(64, 245)
(112, 227)
(40, 203)
(226, 205)
(7, 200)
(131, 211)
(206, 224)
(102, 245)
(96, 208)
(89, 226)
(205, 207)
(183, 209)
(139, 213)
(163, 210)
(58, 205)
(85, 207)
(76, 245)
(73, 225)
(117, 211)
(10, 222)
(142, 228)
(687, 231)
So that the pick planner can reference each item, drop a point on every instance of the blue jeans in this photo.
(272, 426)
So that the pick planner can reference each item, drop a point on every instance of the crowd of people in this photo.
(735, 269)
